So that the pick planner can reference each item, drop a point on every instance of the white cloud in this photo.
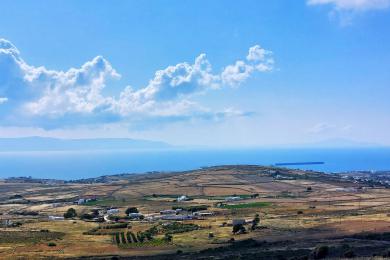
(323, 128)
(353, 5)
(346, 10)
(258, 59)
(43, 96)
(235, 74)
(3, 100)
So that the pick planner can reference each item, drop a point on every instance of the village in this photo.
(129, 215)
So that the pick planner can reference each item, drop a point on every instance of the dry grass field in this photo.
(299, 211)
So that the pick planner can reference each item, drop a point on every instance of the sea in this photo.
(70, 165)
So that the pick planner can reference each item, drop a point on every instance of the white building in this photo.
(203, 214)
(168, 212)
(176, 217)
(233, 198)
(135, 215)
(112, 211)
(182, 198)
(54, 218)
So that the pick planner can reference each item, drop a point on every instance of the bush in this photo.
(115, 226)
(117, 239)
(255, 222)
(192, 208)
(128, 236)
(349, 254)
(71, 213)
(320, 252)
(131, 210)
(177, 227)
(51, 244)
(87, 216)
(168, 237)
(123, 238)
(239, 228)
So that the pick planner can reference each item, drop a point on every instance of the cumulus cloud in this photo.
(53, 98)
(258, 59)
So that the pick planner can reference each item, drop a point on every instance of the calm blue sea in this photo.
(84, 164)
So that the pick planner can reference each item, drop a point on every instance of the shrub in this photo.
(131, 210)
(87, 216)
(177, 227)
(349, 254)
(239, 228)
(51, 244)
(117, 239)
(320, 252)
(128, 236)
(71, 213)
(255, 222)
(123, 238)
(115, 226)
(168, 237)
(134, 238)
(192, 208)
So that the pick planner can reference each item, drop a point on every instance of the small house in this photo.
(56, 218)
(233, 198)
(182, 198)
(112, 211)
(135, 215)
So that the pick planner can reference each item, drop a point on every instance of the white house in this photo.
(56, 218)
(112, 211)
(176, 217)
(233, 198)
(168, 212)
(182, 198)
(203, 214)
(135, 215)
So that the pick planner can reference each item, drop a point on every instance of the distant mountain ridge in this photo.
(36, 143)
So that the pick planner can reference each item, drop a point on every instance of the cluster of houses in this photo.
(104, 214)
(82, 201)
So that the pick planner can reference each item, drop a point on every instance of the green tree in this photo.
(131, 210)
(70, 213)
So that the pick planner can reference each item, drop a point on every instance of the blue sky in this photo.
(274, 72)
